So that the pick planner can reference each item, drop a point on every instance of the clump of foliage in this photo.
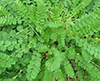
(49, 40)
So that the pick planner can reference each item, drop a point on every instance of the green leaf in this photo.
(6, 61)
(68, 68)
(1, 42)
(19, 28)
(59, 75)
(71, 53)
(34, 66)
(48, 76)
(7, 42)
(12, 33)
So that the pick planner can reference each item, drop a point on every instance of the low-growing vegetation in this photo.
(49, 40)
